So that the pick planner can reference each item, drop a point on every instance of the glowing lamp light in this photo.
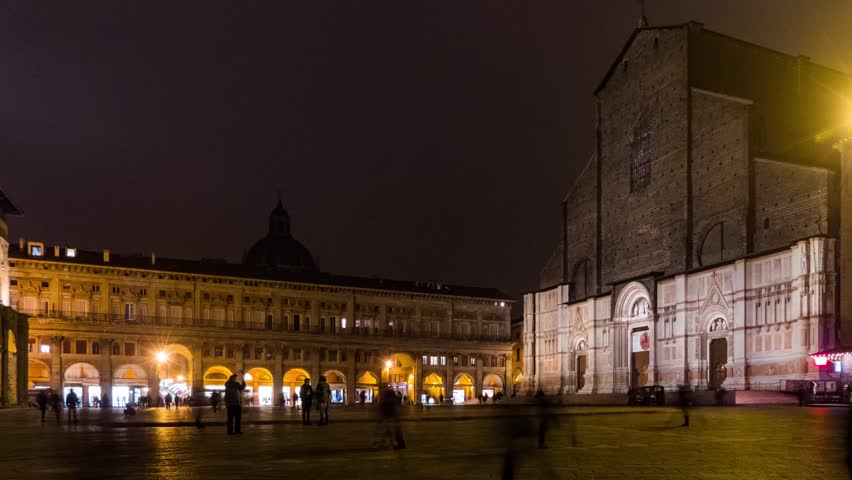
(821, 361)
(388, 364)
(161, 356)
(247, 377)
(180, 378)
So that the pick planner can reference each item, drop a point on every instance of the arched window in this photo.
(582, 279)
(640, 154)
(718, 245)
(116, 349)
(96, 348)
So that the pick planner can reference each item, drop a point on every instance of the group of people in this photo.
(48, 399)
(321, 394)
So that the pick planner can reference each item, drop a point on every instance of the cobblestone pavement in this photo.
(466, 442)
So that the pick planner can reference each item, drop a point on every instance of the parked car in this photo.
(648, 395)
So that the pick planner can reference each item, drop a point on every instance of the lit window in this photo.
(44, 348)
(343, 322)
(70, 252)
(433, 360)
(36, 250)
(838, 367)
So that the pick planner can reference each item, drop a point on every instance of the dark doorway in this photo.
(718, 361)
(581, 372)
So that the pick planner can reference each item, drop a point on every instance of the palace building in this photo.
(708, 240)
(133, 325)
(13, 326)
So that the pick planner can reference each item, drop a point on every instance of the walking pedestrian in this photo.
(56, 405)
(363, 397)
(323, 396)
(389, 426)
(71, 403)
(307, 394)
(168, 401)
(105, 401)
(441, 398)
(41, 400)
(684, 398)
(233, 402)
(177, 401)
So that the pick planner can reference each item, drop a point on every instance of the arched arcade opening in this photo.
(129, 385)
(85, 380)
(463, 388)
(293, 380)
(366, 387)
(258, 387)
(337, 382)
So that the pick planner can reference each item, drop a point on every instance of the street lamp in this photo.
(162, 357)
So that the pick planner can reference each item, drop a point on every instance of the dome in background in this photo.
(278, 250)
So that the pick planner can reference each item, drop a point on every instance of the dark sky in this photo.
(429, 141)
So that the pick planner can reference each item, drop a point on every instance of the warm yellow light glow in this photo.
(388, 364)
(180, 378)
(247, 377)
(162, 356)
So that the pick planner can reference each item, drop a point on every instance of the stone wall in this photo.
(580, 229)
(791, 203)
(645, 230)
(719, 174)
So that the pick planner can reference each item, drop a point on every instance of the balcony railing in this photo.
(181, 322)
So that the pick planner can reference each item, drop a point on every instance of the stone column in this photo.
(740, 326)
(106, 374)
(477, 380)
(56, 370)
(277, 378)
(315, 366)
(844, 249)
(351, 398)
(450, 376)
(418, 377)
(197, 378)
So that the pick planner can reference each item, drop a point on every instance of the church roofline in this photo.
(700, 26)
(629, 42)
(7, 206)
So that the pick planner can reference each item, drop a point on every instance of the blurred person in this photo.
(71, 403)
(519, 431)
(390, 429)
(105, 401)
(168, 401)
(234, 403)
(215, 398)
(55, 404)
(546, 419)
(307, 394)
(363, 397)
(41, 401)
(323, 397)
(684, 399)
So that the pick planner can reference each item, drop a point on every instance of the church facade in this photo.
(129, 326)
(703, 243)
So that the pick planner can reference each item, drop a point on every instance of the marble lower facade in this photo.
(746, 324)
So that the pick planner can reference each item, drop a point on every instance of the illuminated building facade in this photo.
(706, 240)
(13, 326)
(130, 326)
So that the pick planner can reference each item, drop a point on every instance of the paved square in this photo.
(464, 443)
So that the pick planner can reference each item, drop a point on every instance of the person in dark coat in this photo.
(306, 392)
(105, 401)
(215, 398)
(71, 404)
(234, 403)
(41, 401)
(168, 400)
(323, 394)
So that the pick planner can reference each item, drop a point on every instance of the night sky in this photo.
(424, 142)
